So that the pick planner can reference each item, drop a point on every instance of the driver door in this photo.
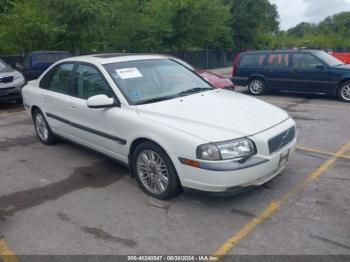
(310, 73)
(98, 128)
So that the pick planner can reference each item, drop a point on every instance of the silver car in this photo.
(11, 83)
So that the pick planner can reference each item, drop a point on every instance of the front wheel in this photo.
(155, 172)
(344, 92)
(42, 129)
(256, 87)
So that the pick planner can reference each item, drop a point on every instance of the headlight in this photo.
(208, 152)
(18, 78)
(233, 149)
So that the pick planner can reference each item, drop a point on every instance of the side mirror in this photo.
(100, 101)
(320, 67)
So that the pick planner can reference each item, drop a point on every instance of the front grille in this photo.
(281, 140)
(6, 79)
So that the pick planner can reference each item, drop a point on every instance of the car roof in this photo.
(280, 51)
(114, 58)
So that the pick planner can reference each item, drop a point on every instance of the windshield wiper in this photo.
(195, 90)
(155, 99)
(189, 91)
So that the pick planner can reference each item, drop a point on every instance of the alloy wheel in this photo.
(152, 171)
(41, 127)
(256, 87)
(345, 92)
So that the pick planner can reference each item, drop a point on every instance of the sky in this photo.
(292, 12)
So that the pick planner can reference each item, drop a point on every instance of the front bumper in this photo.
(233, 176)
(11, 92)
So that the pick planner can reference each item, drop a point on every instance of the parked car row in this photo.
(36, 63)
(11, 83)
(157, 116)
(307, 71)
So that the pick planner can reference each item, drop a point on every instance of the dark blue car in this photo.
(307, 71)
(37, 62)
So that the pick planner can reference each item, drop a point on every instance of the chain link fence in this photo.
(203, 59)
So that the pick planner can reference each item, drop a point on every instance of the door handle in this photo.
(72, 107)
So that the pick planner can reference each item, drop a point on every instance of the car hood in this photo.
(8, 71)
(216, 115)
(342, 67)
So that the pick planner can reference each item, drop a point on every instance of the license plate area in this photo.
(284, 158)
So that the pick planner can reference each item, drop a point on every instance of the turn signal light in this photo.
(190, 162)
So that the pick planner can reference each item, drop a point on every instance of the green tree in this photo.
(253, 23)
(26, 28)
(82, 22)
(302, 29)
(6, 6)
(331, 33)
(183, 24)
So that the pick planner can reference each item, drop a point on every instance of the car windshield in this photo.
(148, 81)
(328, 59)
(2, 65)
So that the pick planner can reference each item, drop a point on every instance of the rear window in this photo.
(278, 60)
(252, 60)
(49, 58)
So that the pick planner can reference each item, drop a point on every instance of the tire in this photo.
(43, 129)
(256, 86)
(155, 172)
(344, 92)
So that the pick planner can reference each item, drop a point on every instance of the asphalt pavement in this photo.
(66, 200)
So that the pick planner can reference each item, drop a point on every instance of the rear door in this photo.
(56, 95)
(310, 74)
(277, 71)
(249, 65)
(98, 128)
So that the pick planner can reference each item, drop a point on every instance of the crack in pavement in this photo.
(97, 233)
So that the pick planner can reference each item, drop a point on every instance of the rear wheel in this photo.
(257, 86)
(42, 128)
(155, 172)
(344, 92)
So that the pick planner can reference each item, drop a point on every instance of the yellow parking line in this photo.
(273, 206)
(309, 104)
(345, 156)
(321, 152)
(6, 254)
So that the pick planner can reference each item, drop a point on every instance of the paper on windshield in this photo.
(128, 73)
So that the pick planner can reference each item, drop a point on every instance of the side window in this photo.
(89, 82)
(252, 60)
(305, 61)
(59, 79)
(278, 60)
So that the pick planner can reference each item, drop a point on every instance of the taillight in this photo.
(234, 64)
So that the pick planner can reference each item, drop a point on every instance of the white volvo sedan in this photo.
(167, 124)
